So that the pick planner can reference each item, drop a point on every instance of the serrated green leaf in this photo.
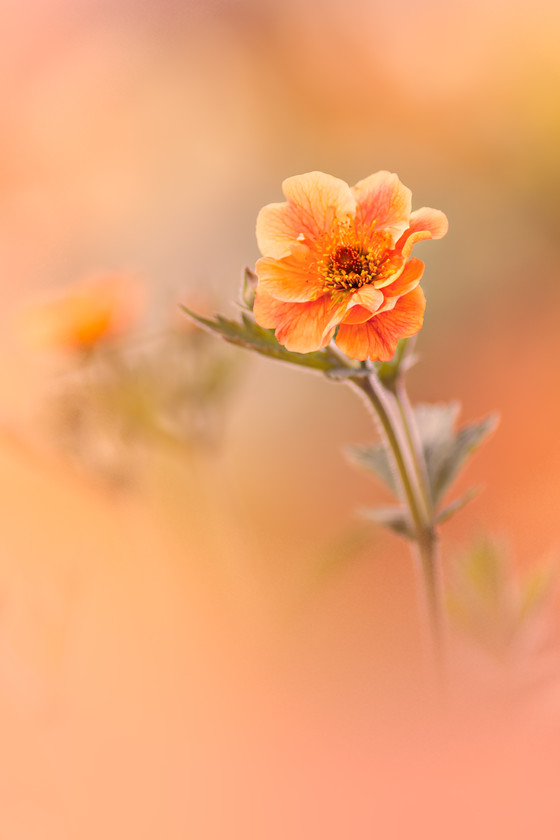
(376, 459)
(394, 518)
(435, 425)
(445, 450)
(248, 334)
(465, 441)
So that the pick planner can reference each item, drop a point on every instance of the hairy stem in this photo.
(396, 417)
(415, 445)
(386, 410)
(429, 572)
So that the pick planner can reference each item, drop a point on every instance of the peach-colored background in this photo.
(219, 653)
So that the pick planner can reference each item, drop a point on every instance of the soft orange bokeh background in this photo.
(219, 653)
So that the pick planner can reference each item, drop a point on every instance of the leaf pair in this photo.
(444, 450)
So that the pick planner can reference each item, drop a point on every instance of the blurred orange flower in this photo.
(336, 261)
(93, 310)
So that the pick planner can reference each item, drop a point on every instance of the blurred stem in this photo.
(415, 445)
(392, 407)
(430, 574)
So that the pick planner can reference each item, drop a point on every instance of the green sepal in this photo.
(403, 360)
(249, 288)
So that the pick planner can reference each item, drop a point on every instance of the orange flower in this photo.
(336, 262)
(91, 311)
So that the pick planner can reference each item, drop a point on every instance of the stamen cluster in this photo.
(349, 266)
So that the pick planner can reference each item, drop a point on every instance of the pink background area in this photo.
(223, 653)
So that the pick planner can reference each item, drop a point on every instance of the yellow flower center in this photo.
(347, 266)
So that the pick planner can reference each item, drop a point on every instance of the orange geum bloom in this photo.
(91, 311)
(336, 263)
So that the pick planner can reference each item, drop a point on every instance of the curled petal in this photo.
(407, 280)
(395, 265)
(357, 315)
(383, 203)
(368, 296)
(366, 299)
(425, 223)
(300, 327)
(292, 278)
(377, 338)
(405, 283)
(316, 204)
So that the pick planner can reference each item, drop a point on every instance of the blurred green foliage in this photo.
(492, 604)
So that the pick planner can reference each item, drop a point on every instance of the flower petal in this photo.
(407, 280)
(293, 278)
(357, 315)
(383, 203)
(267, 310)
(300, 327)
(278, 228)
(377, 338)
(369, 297)
(316, 204)
(363, 303)
(425, 223)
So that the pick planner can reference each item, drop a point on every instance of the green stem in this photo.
(415, 445)
(430, 574)
(384, 406)
(395, 414)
